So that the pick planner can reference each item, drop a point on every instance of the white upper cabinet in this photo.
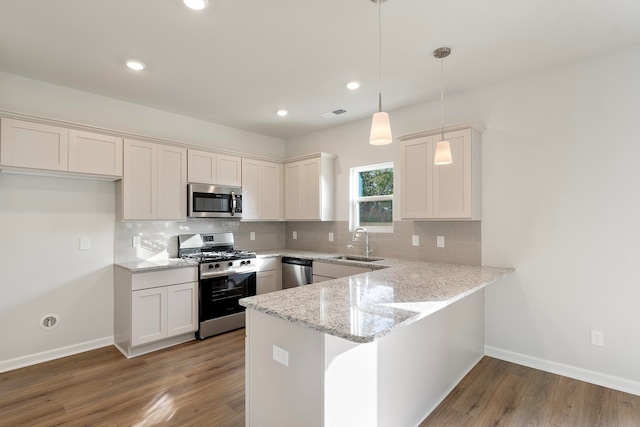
(262, 184)
(52, 148)
(34, 145)
(211, 168)
(172, 182)
(155, 181)
(441, 192)
(310, 188)
(95, 153)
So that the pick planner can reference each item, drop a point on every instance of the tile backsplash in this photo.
(462, 240)
(159, 241)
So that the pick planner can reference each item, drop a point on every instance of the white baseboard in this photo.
(593, 377)
(45, 356)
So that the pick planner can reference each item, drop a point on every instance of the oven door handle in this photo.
(234, 203)
(218, 274)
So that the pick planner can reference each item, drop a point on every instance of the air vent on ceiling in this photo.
(333, 113)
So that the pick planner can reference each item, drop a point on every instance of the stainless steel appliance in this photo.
(225, 276)
(296, 272)
(214, 201)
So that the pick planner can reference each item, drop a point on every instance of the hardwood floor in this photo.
(201, 383)
(498, 393)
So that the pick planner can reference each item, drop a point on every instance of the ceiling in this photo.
(238, 61)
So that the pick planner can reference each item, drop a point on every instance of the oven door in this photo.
(213, 201)
(219, 296)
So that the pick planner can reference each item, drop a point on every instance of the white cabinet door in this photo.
(172, 182)
(148, 315)
(202, 167)
(251, 197)
(266, 281)
(182, 312)
(271, 191)
(416, 181)
(310, 190)
(229, 171)
(452, 187)
(95, 153)
(261, 190)
(33, 145)
(140, 180)
(292, 190)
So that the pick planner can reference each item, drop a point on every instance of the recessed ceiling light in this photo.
(353, 85)
(196, 4)
(282, 113)
(135, 65)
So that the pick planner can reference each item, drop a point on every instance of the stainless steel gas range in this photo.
(225, 276)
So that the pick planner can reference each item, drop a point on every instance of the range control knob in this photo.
(230, 264)
(217, 265)
(210, 265)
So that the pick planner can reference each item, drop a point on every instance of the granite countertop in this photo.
(368, 306)
(161, 264)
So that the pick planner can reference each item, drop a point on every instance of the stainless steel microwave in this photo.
(214, 201)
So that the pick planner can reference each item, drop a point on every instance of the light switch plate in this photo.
(252, 235)
(295, 235)
(137, 241)
(440, 241)
(331, 237)
(85, 244)
(415, 240)
(280, 355)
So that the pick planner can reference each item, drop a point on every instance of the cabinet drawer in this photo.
(336, 270)
(267, 264)
(171, 276)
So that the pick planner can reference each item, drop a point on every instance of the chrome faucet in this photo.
(354, 238)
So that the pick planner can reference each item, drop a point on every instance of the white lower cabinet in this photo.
(268, 276)
(154, 310)
(327, 271)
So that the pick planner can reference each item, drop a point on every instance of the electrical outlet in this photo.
(280, 355)
(415, 240)
(252, 235)
(597, 338)
(137, 241)
(85, 243)
(331, 237)
(295, 235)
(440, 241)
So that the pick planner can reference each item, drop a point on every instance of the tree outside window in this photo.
(372, 197)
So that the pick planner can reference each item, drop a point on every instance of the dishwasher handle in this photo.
(297, 261)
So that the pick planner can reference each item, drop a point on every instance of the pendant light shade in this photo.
(380, 125)
(443, 154)
(443, 149)
(380, 129)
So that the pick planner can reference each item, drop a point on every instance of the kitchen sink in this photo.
(358, 258)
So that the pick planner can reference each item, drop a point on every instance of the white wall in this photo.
(43, 271)
(560, 172)
(22, 95)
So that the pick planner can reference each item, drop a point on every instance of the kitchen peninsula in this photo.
(376, 349)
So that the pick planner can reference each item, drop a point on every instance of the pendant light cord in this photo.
(379, 56)
(442, 96)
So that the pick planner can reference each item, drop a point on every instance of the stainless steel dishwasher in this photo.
(296, 272)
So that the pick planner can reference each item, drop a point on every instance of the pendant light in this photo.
(443, 150)
(380, 126)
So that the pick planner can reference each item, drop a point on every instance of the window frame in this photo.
(355, 199)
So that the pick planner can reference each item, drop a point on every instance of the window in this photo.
(372, 198)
